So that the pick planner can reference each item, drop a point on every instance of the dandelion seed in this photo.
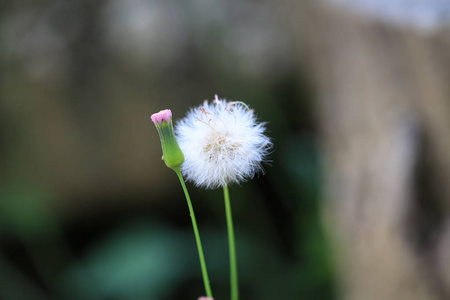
(222, 143)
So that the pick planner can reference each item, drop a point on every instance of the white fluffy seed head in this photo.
(222, 143)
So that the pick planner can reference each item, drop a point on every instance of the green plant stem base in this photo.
(232, 247)
(197, 237)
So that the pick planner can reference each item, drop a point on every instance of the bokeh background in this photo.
(353, 203)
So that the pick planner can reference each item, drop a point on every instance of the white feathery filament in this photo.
(222, 143)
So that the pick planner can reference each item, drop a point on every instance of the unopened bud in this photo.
(172, 154)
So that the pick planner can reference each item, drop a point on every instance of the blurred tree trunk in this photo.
(383, 107)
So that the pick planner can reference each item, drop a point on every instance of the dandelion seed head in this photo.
(222, 143)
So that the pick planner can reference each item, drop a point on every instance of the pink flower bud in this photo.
(172, 154)
(163, 115)
(205, 298)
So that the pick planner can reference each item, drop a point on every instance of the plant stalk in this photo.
(197, 237)
(232, 247)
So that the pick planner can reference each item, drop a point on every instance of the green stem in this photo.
(232, 247)
(197, 237)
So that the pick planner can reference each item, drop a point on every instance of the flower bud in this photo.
(205, 298)
(172, 154)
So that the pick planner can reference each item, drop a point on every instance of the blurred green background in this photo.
(87, 208)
